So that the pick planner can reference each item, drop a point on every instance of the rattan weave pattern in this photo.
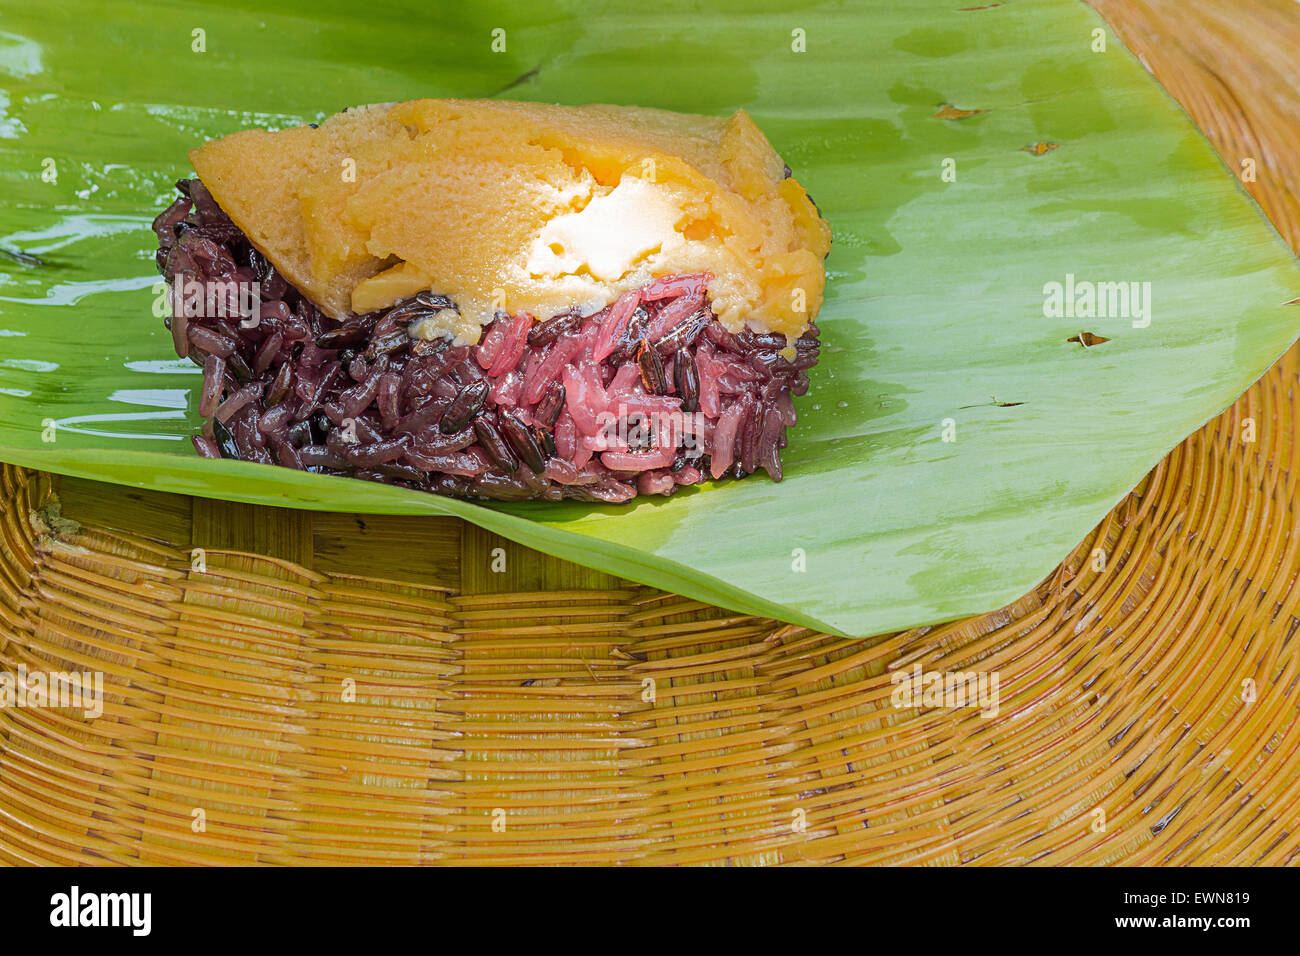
(1122, 675)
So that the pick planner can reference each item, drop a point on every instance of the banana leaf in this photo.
(956, 443)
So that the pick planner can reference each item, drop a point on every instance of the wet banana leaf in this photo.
(1003, 180)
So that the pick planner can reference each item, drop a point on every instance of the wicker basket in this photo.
(306, 689)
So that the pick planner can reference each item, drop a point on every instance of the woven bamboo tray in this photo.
(500, 716)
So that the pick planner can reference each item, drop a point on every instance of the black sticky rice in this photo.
(498, 420)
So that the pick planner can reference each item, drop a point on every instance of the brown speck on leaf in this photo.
(519, 80)
(20, 257)
(1087, 339)
(950, 112)
(987, 6)
(1038, 149)
(993, 403)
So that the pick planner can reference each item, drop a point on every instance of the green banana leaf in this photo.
(954, 446)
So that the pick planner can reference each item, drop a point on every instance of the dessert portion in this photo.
(498, 300)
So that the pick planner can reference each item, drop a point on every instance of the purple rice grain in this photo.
(376, 453)
(214, 371)
(206, 447)
(236, 402)
(280, 385)
(319, 456)
(490, 438)
(653, 379)
(464, 407)
(214, 343)
(686, 380)
(548, 408)
(521, 439)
